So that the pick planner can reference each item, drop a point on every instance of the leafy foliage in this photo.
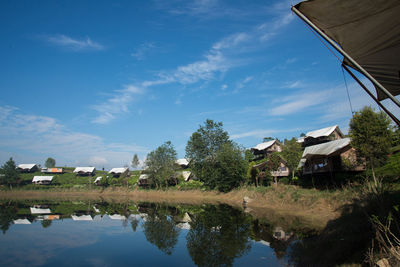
(50, 163)
(10, 174)
(292, 153)
(216, 161)
(161, 164)
(371, 136)
(135, 161)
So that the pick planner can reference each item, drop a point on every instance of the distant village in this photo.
(325, 151)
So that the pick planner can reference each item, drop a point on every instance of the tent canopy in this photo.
(369, 31)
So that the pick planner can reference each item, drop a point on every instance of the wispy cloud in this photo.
(260, 133)
(117, 104)
(143, 50)
(44, 136)
(67, 42)
(299, 102)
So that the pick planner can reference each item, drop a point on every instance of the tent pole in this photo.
(371, 95)
(341, 51)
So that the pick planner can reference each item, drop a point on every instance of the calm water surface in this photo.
(42, 233)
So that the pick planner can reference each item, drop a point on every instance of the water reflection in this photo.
(207, 235)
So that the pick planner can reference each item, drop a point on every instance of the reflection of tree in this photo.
(46, 223)
(218, 235)
(160, 230)
(7, 215)
(134, 224)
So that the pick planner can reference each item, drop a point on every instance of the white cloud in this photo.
(73, 44)
(298, 102)
(117, 104)
(260, 133)
(143, 50)
(43, 136)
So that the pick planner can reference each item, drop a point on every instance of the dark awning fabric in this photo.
(368, 30)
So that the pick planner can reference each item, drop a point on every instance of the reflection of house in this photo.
(332, 156)
(22, 221)
(144, 180)
(263, 149)
(183, 163)
(27, 168)
(39, 210)
(117, 172)
(321, 136)
(117, 217)
(85, 170)
(42, 179)
(53, 170)
(82, 218)
(280, 234)
(51, 217)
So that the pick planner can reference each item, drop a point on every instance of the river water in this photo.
(83, 233)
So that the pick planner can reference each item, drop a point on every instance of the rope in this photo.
(347, 90)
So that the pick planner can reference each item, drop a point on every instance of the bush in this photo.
(191, 185)
(284, 180)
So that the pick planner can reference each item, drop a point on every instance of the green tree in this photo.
(10, 173)
(371, 136)
(135, 161)
(50, 163)
(161, 164)
(292, 153)
(230, 167)
(202, 149)
(273, 164)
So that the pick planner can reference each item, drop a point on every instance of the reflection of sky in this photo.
(101, 242)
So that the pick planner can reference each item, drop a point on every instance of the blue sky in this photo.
(94, 82)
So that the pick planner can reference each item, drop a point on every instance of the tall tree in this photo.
(371, 136)
(202, 149)
(161, 164)
(135, 161)
(292, 152)
(50, 163)
(274, 162)
(10, 172)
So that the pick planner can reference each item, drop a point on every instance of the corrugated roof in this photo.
(326, 149)
(182, 162)
(264, 145)
(118, 170)
(98, 179)
(26, 166)
(143, 177)
(84, 169)
(42, 178)
(323, 132)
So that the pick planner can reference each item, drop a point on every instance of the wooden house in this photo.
(85, 171)
(282, 171)
(144, 180)
(27, 168)
(117, 172)
(321, 136)
(44, 180)
(265, 148)
(331, 156)
(183, 163)
(53, 170)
